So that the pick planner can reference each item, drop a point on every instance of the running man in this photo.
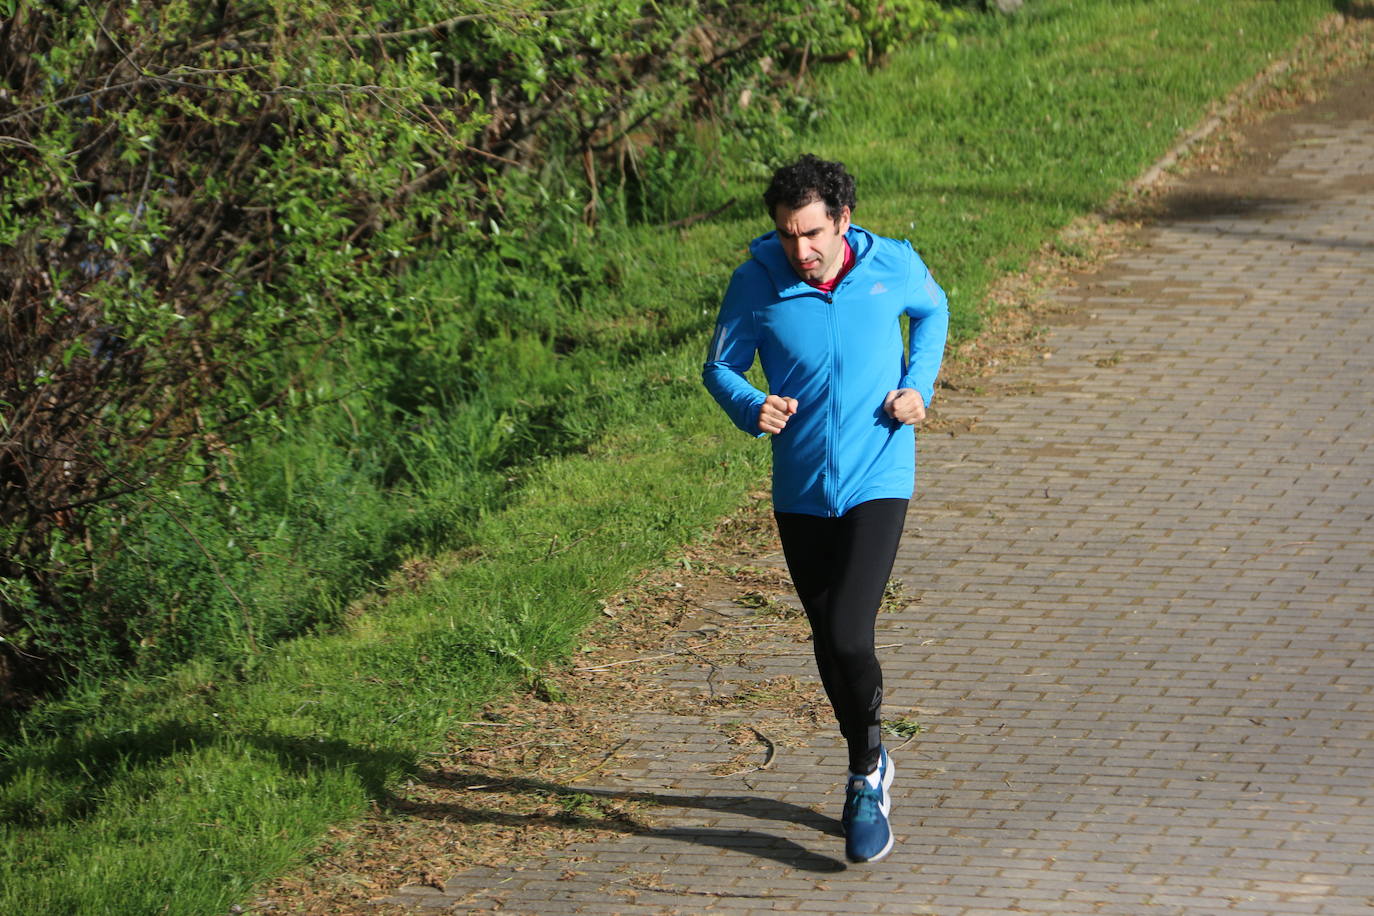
(821, 303)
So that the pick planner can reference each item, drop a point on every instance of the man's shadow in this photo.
(754, 842)
(101, 759)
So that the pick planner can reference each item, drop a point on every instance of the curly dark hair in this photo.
(811, 179)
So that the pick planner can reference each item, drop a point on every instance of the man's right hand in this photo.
(774, 412)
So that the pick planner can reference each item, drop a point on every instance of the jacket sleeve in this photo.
(928, 308)
(731, 354)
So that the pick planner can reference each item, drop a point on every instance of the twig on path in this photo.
(891, 645)
(768, 760)
(500, 747)
(601, 763)
(909, 738)
(645, 658)
(711, 675)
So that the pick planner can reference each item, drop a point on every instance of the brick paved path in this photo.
(1142, 648)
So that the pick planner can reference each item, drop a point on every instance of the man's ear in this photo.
(842, 223)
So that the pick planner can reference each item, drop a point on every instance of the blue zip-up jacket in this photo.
(838, 354)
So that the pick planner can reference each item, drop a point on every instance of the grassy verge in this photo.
(180, 795)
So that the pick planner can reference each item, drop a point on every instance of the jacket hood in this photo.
(767, 250)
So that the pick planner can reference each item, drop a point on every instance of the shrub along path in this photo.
(1136, 630)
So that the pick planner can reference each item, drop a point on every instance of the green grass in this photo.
(180, 794)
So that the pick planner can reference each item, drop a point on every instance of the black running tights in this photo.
(840, 567)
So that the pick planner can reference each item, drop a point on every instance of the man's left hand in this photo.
(905, 405)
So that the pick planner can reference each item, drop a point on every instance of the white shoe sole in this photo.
(882, 853)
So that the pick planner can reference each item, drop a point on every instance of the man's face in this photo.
(813, 242)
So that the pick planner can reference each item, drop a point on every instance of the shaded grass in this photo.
(180, 794)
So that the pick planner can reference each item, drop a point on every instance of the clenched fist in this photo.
(774, 412)
(905, 405)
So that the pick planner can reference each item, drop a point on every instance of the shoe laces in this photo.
(864, 801)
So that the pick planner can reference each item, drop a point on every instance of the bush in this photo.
(208, 210)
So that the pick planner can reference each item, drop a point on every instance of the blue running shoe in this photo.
(868, 836)
(883, 781)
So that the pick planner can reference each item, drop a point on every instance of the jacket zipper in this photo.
(831, 461)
